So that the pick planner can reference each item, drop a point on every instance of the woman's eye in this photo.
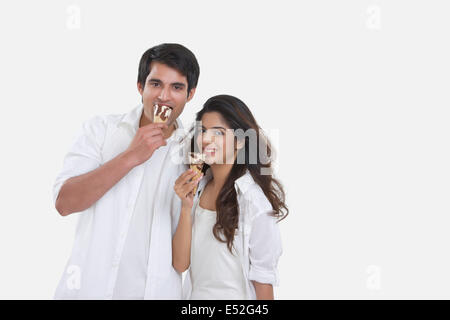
(218, 133)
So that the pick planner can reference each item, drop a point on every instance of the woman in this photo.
(227, 233)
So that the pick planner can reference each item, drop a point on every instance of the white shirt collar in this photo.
(244, 182)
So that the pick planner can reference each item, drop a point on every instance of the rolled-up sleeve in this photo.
(265, 249)
(85, 153)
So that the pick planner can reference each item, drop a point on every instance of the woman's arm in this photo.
(181, 242)
(264, 252)
(263, 291)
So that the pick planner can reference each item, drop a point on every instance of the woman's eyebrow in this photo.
(203, 127)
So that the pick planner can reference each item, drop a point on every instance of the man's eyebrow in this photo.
(181, 84)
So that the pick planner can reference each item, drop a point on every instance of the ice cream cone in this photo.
(161, 113)
(196, 161)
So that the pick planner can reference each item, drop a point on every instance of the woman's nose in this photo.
(207, 138)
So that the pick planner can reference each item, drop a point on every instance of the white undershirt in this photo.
(132, 272)
(215, 273)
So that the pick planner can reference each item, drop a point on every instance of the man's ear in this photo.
(140, 89)
(191, 94)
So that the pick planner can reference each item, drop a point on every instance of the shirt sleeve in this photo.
(265, 249)
(85, 153)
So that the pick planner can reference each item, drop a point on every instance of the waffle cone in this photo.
(198, 171)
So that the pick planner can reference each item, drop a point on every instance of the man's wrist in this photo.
(128, 160)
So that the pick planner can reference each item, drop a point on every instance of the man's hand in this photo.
(80, 192)
(147, 139)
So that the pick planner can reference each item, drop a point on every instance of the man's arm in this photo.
(80, 192)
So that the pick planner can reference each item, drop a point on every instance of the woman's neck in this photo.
(220, 174)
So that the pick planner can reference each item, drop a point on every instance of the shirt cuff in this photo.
(263, 276)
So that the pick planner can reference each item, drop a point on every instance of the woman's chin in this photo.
(210, 159)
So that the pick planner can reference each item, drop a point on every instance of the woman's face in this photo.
(216, 139)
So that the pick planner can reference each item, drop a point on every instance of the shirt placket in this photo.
(136, 180)
(155, 247)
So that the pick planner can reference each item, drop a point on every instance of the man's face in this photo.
(165, 86)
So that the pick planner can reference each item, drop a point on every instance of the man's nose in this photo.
(164, 94)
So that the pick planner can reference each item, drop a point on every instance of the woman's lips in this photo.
(210, 152)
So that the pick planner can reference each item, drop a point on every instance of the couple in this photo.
(141, 225)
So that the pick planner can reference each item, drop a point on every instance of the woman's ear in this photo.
(240, 144)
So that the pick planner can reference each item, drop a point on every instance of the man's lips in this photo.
(163, 104)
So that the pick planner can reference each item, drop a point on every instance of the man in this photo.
(120, 175)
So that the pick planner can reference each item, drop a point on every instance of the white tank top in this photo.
(216, 274)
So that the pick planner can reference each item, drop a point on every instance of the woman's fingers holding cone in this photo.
(187, 182)
(189, 187)
(185, 176)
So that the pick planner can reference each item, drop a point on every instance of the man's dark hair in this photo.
(173, 55)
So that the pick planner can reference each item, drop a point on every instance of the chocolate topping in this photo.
(163, 112)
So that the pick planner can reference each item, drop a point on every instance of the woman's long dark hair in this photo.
(238, 116)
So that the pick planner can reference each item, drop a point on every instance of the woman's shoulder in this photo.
(252, 194)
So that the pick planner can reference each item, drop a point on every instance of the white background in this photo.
(358, 91)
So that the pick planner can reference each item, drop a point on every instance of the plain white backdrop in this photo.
(358, 92)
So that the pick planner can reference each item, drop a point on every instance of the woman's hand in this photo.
(184, 187)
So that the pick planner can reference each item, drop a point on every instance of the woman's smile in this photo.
(210, 151)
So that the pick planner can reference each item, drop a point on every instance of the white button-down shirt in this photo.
(258, 240)
(92, 269)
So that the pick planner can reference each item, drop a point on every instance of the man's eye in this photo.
(178, 87)
(218, 133)
(154, 84)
